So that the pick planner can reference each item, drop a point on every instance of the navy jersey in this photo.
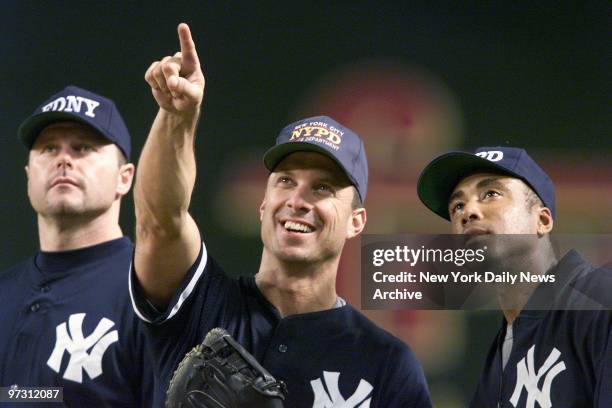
(559, 358)
(334, 357)
(67, 321)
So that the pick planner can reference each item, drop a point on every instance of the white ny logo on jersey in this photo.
(332, 397)
(77, 345)
(526, 377)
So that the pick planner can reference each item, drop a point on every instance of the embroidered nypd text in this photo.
(319, 132)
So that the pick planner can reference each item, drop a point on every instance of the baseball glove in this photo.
(220, 373)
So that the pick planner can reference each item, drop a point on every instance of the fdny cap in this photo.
(322, 134)
(78, 104)
(439, 178)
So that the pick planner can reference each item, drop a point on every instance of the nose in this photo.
(298, 200)
(64, 159)
(471, 212)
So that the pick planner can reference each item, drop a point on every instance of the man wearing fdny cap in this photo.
(66, 315)
(554, 347)
(288, 315)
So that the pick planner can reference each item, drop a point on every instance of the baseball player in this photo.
(288, 315)
(554, 347)
(66, 317)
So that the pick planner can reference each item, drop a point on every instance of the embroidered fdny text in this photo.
(72, 103)
(77, 345)
(528, 378)
(492, 155)
(332, 397)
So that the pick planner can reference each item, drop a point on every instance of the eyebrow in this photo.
(325, 176)
(336, 180)
(491, 182)
(484, 183)
(456, 195)
(97, 140)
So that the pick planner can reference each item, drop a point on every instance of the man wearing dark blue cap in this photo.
(288, 315)
(554, 348)
(66, 319)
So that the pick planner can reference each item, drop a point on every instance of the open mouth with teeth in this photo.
(293, 226)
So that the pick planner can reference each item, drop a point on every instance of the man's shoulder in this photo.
(371, 332)
(112, 257)
(18, 267)
(17, 270)
(592, 286)
(593, 276)
(393, 361)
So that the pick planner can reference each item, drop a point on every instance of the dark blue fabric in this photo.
(440, 177)
(41, 293)
(81, 105)
(582, 337)
(324, 135)
(296, 349)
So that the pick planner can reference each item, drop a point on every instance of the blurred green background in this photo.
(414, 79)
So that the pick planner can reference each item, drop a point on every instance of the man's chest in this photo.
(550, 365)
(62, 334)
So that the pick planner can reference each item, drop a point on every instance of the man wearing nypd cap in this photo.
(554, 348)
(288, 315)
(66, 315)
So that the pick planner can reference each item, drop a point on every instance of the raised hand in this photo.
(177, 82)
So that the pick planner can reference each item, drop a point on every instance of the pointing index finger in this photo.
(188, 49)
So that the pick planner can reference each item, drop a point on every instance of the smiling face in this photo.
(489, 203)
(72, 170)
(307, 212)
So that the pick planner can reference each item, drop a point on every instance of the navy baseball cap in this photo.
(324, 135)
(77, 104)
(439, 178)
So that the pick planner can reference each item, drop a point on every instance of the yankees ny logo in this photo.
(332, 397)
(526, 377)
(77, 345)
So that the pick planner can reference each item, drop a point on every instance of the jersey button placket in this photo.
(282, 348)
(34, 307)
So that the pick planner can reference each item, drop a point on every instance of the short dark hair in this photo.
(121, 157)
(356, 203)
(531, 198)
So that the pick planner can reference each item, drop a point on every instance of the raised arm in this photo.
(167, 237)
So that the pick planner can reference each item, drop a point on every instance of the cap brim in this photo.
(276, 154)
(438, 180)
(28, 131)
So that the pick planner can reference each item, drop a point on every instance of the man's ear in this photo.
(126, 176)
(357, 223)
(545, 221)
(262, 207)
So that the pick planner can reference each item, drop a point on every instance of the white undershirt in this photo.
(339, 302)
(507, 346)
